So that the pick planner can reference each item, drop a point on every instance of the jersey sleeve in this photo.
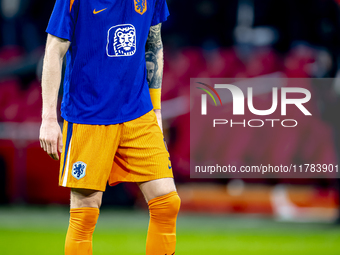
(161, 12)
(61, 22)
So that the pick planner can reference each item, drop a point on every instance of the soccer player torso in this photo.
(105, 79)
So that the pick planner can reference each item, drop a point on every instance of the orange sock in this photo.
(79, 235)
(161, 238)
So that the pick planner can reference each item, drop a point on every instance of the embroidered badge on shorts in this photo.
(140, 6)
(79, 170)
(121, 41)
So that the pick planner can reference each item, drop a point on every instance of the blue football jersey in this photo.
(105, 79)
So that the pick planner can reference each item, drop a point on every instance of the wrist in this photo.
(49, 117)
(155, 95)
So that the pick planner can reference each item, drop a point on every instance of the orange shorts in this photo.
(133, 151)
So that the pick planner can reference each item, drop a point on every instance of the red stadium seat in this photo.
(297, 61)
(10, 100)
(32, 103)
(7, 152)
(263, 61)
(42, 178)
(10, 53)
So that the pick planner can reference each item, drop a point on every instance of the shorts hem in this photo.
(141, 180)
(73, 186)
(115, 183)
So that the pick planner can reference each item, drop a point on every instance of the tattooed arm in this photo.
(154, 66)
(154, 57)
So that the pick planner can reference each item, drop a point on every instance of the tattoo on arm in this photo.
(154, 57)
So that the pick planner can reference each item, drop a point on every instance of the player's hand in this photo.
(159, 118)
(51, 139)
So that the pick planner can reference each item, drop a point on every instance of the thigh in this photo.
(157, 188)
(86, 198)
(142, 154)
(88, 154)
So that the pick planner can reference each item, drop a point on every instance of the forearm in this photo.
(50, 84)
(156, 82)
(56, 49)
(51, 139)
(154, 63)
(155, 86)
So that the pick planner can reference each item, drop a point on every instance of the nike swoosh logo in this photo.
(95, 12)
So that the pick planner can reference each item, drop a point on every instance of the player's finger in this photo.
(48, 147)
(60, 143)
(54, 156)
(43, 144)
(54, 152)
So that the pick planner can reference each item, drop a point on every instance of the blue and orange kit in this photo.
(105, 78)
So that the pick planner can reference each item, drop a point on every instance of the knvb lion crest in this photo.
(140, 6)
(121, 41)
(79, 170)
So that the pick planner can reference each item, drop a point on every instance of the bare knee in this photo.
(157, 188)
(86, 198)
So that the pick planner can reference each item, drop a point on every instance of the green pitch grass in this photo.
(41, 231)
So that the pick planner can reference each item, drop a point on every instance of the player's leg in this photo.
(157, 188)
(84, 213)
(164, 203)
(142, 157)
(85, 166)
(86, 198)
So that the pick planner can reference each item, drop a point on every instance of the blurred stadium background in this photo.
(202, 38)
